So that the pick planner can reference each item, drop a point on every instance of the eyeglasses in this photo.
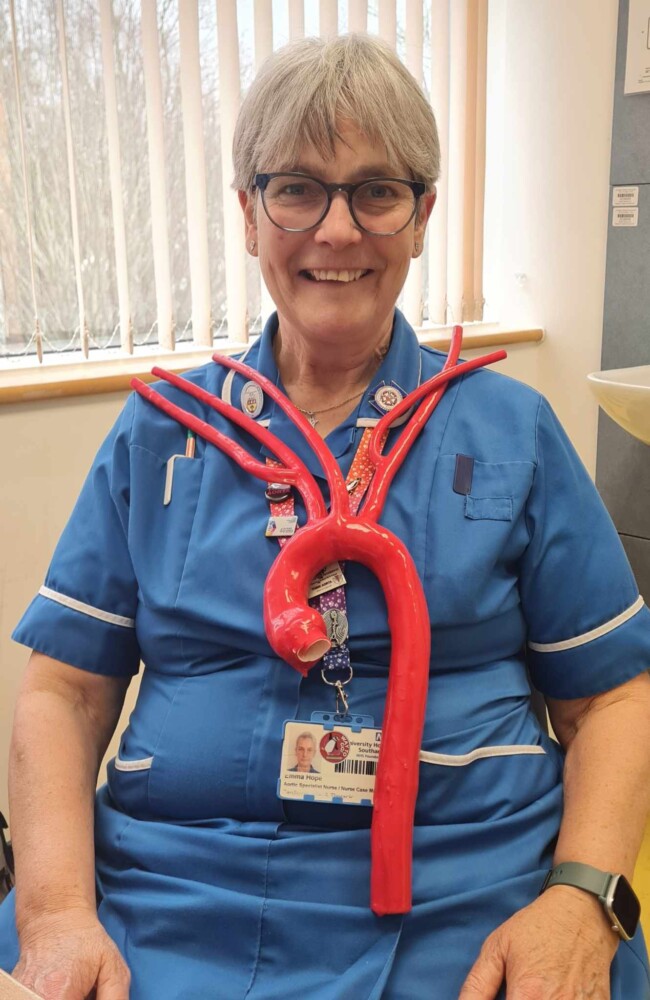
(381, 206)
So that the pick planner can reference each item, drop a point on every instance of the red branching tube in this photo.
(387, 465)
(291, 471)
(338, 493)
(296, 631)
(380, 432)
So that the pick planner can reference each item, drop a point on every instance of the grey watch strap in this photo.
(581, 876)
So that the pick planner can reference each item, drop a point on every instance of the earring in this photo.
(417, 247)
(252, 245)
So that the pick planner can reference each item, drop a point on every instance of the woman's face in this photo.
(337, 311)
(305, 750)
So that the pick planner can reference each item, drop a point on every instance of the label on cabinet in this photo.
(625, 217)
(628, 196)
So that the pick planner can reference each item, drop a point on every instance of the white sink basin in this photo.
(624, 394)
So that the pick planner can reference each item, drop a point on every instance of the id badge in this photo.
(328, 579)
(282, 526)
(329, 760)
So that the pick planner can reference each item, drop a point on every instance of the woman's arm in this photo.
(562, 944)
(606, 775)
(63, 722)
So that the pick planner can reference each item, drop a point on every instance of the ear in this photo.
(425, 208)
(247, 202)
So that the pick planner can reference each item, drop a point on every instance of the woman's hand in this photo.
(560, 947)
(69, 956)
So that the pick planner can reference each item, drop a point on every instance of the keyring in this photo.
(339, 683)
(341, 697)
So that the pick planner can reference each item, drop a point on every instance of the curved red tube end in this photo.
(384, 907)
(297, 634)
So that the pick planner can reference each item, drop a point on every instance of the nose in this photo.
(338, 229)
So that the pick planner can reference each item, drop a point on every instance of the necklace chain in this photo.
(312, 414)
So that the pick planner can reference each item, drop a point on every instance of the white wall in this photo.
(551, 97)
(551, 90)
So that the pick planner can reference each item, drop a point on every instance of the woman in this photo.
(304, 752)
(202, 872)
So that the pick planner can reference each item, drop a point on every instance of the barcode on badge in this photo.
(356, 767)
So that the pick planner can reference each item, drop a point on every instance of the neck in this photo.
(316, 375)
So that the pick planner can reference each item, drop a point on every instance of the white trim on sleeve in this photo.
(86, 609)
(595, 633)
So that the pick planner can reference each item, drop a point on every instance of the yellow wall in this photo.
(45, 452)
(642, 882)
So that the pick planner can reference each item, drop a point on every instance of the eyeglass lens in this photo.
(380, 206)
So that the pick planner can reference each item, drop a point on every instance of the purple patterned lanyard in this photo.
(332, 603)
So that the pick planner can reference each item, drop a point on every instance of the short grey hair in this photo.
(303, 92)
(306, 736)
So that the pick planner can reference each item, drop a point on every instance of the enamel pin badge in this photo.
(252, 399)
(386, 397)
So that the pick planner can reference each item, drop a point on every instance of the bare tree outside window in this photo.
(48, 176)
(82, 261)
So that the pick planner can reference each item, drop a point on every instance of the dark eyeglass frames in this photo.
(381, 206)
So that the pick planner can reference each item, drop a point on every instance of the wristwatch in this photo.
(615, 893)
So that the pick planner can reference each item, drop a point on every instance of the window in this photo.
(115, 205)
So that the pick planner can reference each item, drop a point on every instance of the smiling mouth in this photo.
(335, 277)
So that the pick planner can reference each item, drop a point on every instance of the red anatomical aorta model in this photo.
(297, 631)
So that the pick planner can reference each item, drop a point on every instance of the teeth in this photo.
(336, 275)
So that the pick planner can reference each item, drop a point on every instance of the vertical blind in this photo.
(118, 225)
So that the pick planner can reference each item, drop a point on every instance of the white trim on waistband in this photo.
(86, 609)
(481, 753)
(143, 764)
(595, 633)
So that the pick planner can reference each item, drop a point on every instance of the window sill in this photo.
(53, 380)
(478, 336)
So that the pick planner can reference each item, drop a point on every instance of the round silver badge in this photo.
(387, 397)
(252, 399)
(336, 625)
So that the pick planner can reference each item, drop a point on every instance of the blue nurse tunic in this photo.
(212, 886)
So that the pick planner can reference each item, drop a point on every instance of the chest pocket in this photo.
(475, 539)
(488, 508)
(164, 498)
(492, 492)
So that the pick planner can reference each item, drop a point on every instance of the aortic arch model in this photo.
(297, 632)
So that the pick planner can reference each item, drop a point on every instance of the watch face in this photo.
(625, 906)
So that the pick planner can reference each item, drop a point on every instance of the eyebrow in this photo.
(367, 170)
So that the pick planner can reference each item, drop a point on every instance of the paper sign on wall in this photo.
(637, 65)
